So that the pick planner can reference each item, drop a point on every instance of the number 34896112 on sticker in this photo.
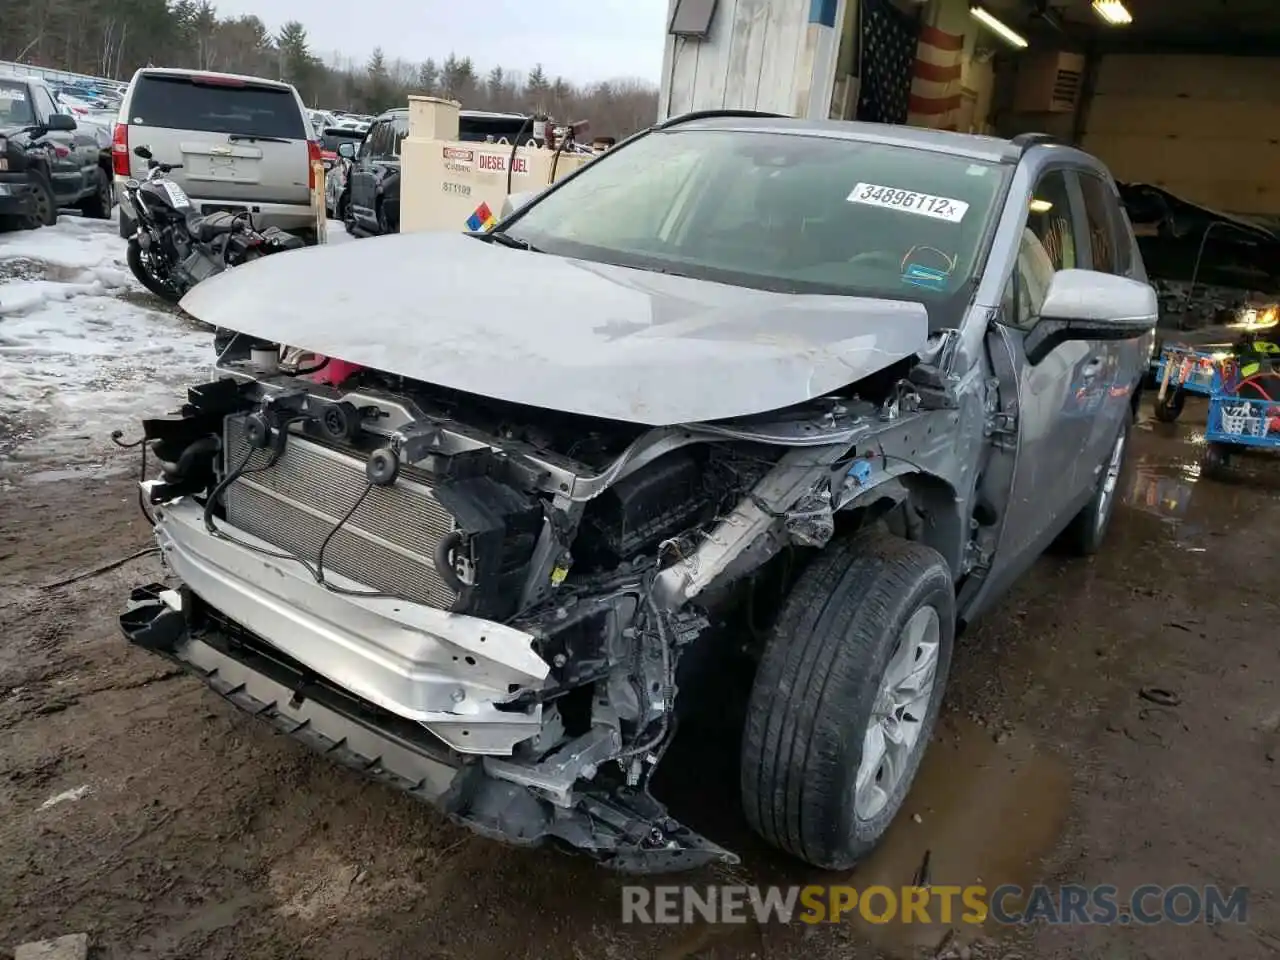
(909, 201)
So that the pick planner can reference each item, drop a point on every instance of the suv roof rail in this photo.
(1025, 141)
(708, 114)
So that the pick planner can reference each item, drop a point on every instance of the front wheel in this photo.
(44, 212)
(1086, 532)
(846, 698)
(140, 267)
(98, 206)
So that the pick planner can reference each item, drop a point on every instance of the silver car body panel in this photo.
(570, 335)
(441, 669)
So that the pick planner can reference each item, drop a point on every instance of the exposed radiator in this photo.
(388, 542)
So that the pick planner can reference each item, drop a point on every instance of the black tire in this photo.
(1085, 534)
(98, 206)
(44, 207)
(164, 291)
(816, 687)
(1169, 409)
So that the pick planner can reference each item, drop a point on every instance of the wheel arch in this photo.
(38, 163)
(919, 506)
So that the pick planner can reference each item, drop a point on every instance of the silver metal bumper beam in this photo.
(442, 669)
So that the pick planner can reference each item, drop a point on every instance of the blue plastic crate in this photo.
(1251, 423)
(1242, 421)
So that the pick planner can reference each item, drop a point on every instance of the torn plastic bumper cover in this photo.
(382, 719)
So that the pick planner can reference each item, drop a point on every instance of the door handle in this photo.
(1091, 368)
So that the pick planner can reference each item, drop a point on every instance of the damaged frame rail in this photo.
(460, 711)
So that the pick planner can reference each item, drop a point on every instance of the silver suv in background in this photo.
(245, 144)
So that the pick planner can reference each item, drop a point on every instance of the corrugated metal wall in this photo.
(1205, 128)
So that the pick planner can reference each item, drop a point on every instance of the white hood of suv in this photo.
(560, 334)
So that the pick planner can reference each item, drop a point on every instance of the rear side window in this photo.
(330, 141)
(186, 103)
(1107, 239)
(16, 109)
(1049, 218)
(1101, 225)
(385, 137)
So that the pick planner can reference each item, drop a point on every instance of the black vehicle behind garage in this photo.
(46, 161)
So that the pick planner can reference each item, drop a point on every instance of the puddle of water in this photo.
(1162, 490)
(989, 812)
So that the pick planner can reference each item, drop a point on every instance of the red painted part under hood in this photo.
(335, 372)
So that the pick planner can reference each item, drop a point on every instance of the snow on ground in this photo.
(85, 350)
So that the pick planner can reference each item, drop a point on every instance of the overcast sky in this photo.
(582, 40)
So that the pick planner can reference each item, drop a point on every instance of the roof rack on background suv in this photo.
(708, 114)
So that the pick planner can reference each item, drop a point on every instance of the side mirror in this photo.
(142, 151)
(347, 150)
(61, 123)
(515, 201)
(1088, 305)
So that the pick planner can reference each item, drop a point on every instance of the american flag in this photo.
(889, 42)
(935, 81)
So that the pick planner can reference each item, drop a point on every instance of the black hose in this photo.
(306, 371)
(141, 443)
(555, 160)
(207, 445)
(324, 544)
(444, 565)
(511, 162)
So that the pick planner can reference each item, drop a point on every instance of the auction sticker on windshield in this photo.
(908, 201)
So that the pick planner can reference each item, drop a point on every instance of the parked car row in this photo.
(48, 159)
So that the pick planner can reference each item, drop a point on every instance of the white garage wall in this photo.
(1205, 128)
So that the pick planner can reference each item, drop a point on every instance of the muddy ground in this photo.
(138, 807)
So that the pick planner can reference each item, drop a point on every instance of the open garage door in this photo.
(1183, 97)
(1202, 127)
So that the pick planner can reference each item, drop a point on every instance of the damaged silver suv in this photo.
(491, 547)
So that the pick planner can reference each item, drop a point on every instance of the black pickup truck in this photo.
(47, 161)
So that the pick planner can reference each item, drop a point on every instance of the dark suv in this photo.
(47, 160)
(374, 179)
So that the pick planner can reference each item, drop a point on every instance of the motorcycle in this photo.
(175, 248)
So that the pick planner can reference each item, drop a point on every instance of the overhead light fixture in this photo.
(1113, 12)
(1041, 206)
(998, 27)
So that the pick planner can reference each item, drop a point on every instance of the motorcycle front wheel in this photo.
(139, 267)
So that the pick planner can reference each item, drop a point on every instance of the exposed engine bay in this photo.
(503, 593)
